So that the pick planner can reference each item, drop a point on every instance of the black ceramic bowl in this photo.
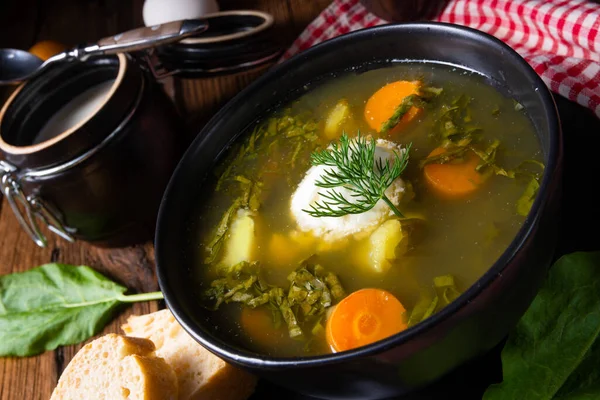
(479, 319)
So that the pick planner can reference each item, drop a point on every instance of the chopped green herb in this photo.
(242, 179)
(272, 127)
(318, 329)
(295, 154)
(457, 139)
(297, 129)
(250, 199)
(522, 168)
(213, 247)
(333, 283)
(295, 132)
(451, 155)
(254, 199)
(414, 231)
(312, 290)
(446, 285)
(488, 157)
(290, 319)
(445, 293)
(244, 150)
(453, 126)
(526, 200)
(237, 286)
(419, 310)
(407, 103)
(429, 91)
(431, 308)
(250, 193)
(462, 102)
(518, 106)
(534, 174)
(224, 175)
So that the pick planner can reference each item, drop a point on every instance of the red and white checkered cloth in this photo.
(560, 39)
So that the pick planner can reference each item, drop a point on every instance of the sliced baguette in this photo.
(201, 375)
(115, 367)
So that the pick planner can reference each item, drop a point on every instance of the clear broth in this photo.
(465, 236)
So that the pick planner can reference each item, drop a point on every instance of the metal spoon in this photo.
(20, 65)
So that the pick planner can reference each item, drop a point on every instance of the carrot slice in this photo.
(454, 180)
(382, 104)
(364, 317)
(257, 323)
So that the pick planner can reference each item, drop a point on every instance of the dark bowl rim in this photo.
(258, 361)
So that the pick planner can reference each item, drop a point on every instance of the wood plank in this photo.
(33, 376)
(30, 377)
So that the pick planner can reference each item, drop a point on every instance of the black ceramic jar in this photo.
(101, 178)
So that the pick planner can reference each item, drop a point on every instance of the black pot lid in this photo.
(234, 41)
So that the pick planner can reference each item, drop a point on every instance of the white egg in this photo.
(157, 12)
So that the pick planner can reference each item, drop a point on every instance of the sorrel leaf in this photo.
(54, 305)
(554, 351)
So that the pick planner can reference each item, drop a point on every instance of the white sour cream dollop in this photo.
(335, 228)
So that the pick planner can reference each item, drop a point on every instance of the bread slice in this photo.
(115, 367)
(201, 375)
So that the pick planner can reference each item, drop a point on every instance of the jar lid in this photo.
(49, 98)
(235, 41)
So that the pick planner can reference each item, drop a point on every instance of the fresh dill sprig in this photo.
(356, 170)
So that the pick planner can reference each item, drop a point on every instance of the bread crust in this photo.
(201, 375)
(114, 367)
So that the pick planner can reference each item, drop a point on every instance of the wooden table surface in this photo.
(25, 22)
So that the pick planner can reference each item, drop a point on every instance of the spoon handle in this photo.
(146, 37)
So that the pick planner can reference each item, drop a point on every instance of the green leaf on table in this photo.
(554, 351)
(55, 305)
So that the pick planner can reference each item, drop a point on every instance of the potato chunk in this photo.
(392, 239)
(239, 244)
(383, 243)
(336, 119)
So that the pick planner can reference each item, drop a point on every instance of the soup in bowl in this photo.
(368, 215)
